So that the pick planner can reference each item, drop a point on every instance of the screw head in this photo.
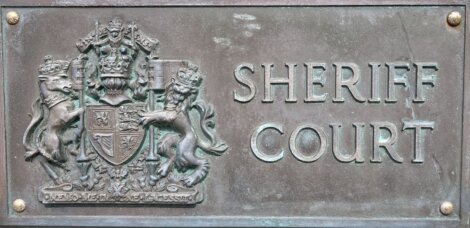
(454, 18)
(447, 208)
(13, 18)
(19, 205)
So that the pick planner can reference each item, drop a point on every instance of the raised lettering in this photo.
(395, 78)
(387, 143)
(418, 126)
(254, 141)
(375, 72)
(350, 83)
(293, 145)
(424, 79)
(337, 139)
(268, 81)
(245, 81)
(315, 79)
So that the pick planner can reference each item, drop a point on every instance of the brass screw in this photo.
(13, 18)
(447, 208)
(19, 205)
(454, 18)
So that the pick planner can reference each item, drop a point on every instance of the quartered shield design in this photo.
(115, 132)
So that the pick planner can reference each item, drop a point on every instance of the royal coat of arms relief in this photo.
(117, 124)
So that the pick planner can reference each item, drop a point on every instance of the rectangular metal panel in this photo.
(289, 115)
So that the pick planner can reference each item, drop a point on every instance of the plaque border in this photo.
(463, 219)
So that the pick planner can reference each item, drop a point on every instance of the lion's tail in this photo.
(212, 144)
(29, 141)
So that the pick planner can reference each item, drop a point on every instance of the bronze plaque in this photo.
(234, 114)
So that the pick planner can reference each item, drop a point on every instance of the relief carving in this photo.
(97, 133)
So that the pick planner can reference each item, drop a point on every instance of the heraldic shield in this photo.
(90, 122)
(115, 132)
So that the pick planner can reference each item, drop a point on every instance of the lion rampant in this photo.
(180, 148)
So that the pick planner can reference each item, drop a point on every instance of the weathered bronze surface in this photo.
(116, 78)
(318, 114)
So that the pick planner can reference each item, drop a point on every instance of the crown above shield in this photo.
(52, 67)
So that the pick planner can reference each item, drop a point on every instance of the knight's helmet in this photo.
(114, 64)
